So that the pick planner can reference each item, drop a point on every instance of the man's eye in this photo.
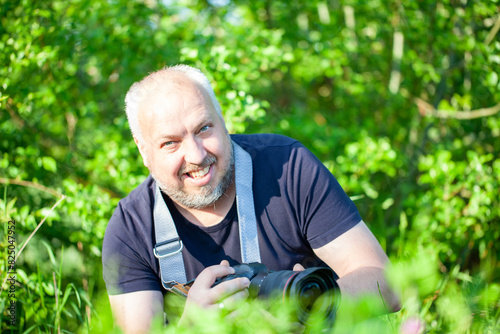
(206, 128)
(167, 143)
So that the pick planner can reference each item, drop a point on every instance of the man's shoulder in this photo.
(133, 217)
(141, 198)
(263, 141)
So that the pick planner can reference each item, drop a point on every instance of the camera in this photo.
(313, 290)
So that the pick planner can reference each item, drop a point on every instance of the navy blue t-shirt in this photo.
(299, 207)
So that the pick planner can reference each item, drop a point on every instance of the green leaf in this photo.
(49, 164)
(50, 252)
(387, 203)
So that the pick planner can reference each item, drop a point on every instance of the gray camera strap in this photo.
(168, 248)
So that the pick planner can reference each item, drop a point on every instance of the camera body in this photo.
(313, 290)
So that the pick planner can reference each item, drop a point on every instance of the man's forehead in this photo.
(174, 91)
(173, 100)
(171, 84)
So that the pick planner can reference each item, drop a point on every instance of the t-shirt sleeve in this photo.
(324, 209)
(127, 262)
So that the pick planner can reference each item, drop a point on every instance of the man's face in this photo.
(186, 146)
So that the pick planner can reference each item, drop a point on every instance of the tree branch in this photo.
(493, 31)
(427, 110)
(31, 185)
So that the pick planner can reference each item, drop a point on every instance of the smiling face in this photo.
(185, 144)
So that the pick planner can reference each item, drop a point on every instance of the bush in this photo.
(398, 98)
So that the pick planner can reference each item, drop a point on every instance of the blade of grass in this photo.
(56, 294)
(31, 236)
(39, 225)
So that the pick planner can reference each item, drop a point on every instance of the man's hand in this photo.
(202, 294)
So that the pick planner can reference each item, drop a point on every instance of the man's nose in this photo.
(195, 152)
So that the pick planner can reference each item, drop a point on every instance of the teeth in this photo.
(199, 173)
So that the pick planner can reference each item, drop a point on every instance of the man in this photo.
(304, 218)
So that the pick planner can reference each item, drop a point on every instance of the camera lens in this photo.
(314, 290)
(274, 283)
(308, 295)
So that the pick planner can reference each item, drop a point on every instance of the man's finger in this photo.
(235, 298)
(231, 303)
(231, 287)
(208, 276)
(298, 267)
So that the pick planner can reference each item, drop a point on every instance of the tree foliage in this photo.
(399, 99)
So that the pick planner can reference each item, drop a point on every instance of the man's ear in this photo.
(142, 150)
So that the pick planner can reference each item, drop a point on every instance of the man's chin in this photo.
(202, 199)
(195, 202)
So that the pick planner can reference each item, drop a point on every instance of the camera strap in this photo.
(168, 248)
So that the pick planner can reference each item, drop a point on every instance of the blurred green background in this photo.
(399, 99)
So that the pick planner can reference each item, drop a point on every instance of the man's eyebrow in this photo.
(203, 121)
(164, 137)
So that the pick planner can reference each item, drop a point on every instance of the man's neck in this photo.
(213, 214)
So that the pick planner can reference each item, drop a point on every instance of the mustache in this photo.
(191, 167)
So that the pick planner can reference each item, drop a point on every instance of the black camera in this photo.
(313, 290)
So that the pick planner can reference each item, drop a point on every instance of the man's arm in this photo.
(359, 261)
(134, 311)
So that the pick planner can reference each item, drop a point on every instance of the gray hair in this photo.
(140, 90)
